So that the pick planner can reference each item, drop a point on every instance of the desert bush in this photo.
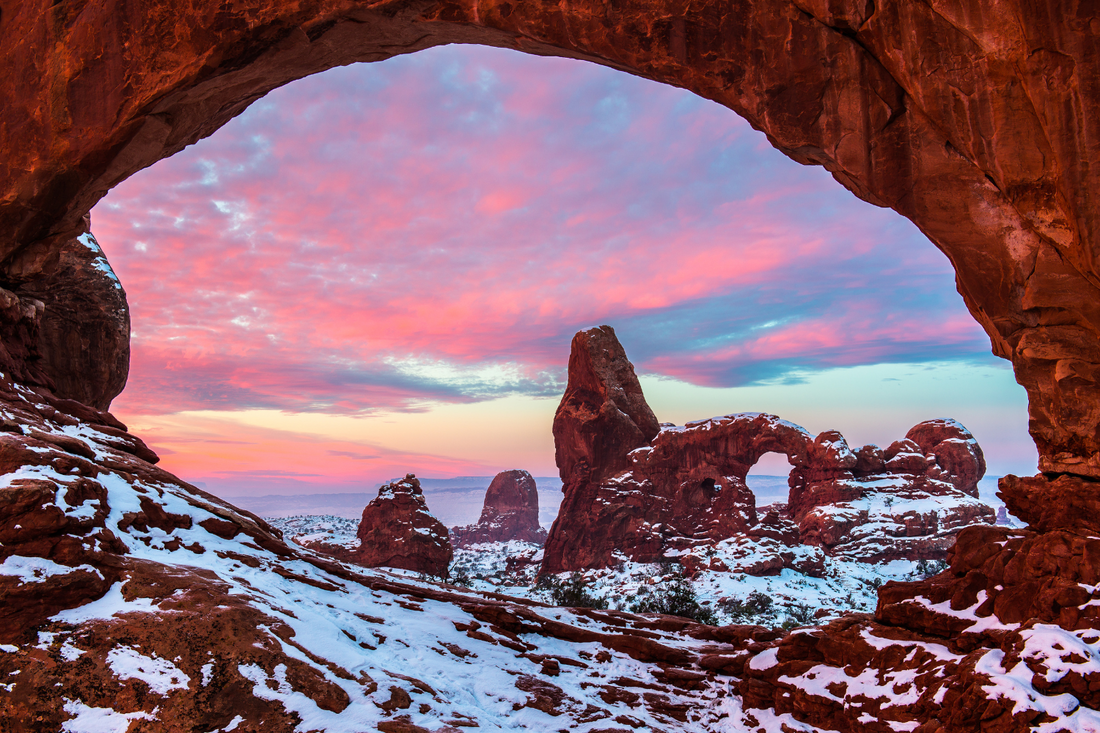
(674, 596)
(927, 568)
(460, 576)
(756, 609)
(798, 614)
(572, 592)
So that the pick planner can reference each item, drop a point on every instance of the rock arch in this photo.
(978, 121)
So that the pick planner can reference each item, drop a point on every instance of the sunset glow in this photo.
(379, 269)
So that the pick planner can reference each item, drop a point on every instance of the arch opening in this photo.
(688, 178)
(768, 480)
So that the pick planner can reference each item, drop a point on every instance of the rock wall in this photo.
(625, 495)
(65, 322)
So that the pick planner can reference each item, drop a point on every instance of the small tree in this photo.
(756, 608)
(460, 576)
(675, 596)
(572, 592)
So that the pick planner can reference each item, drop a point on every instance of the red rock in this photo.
(603, 415)
(687, 485)
(65, 323)
(510, 512)
(398, 531)
(977, 121)
(958, 457)
(973, 122)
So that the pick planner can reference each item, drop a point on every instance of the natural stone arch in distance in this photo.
(979, 121)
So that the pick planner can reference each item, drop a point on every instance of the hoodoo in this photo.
(398, 531)
(510, 512)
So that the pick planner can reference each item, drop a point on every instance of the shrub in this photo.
(572, 592)
(674, 596)
(927, 568)
(460, 576)
(756, 608)
(799, 614)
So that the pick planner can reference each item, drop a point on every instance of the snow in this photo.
(38, 569)
(99, 262)
(359, 626)
(98, 720)
(161, 675)
(845, 585)
(1015, 685)
(237, 720)
(110, 605)
(69, 652)
(86, 510)
(764, 660)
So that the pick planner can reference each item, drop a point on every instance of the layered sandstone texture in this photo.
(510, 513)
(644, 498)
(398, 531)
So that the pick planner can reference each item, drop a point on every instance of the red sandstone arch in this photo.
(978, 120)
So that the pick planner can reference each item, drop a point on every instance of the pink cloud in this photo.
(467, 209)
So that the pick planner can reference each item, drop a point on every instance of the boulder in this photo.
(953, 451)
(510, 512)
(398, 531)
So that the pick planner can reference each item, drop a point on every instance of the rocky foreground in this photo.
(128, 596)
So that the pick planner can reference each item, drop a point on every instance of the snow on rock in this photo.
(197, 612)
(160, 675)
(194, 612)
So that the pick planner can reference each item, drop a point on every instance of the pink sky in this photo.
(395, 241)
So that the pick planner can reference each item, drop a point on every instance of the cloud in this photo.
(435, 228)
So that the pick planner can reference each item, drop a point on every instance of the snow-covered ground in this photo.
(828, 587)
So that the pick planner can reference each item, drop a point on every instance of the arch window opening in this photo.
(377, 271)
(768, 481)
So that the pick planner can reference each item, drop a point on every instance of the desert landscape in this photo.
(879, 591)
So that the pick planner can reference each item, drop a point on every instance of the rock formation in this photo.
(1004, 640)
(398, 531)
(686, 485)
(510, 512)
(127, 595)
(65, 322)
(131, 600)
